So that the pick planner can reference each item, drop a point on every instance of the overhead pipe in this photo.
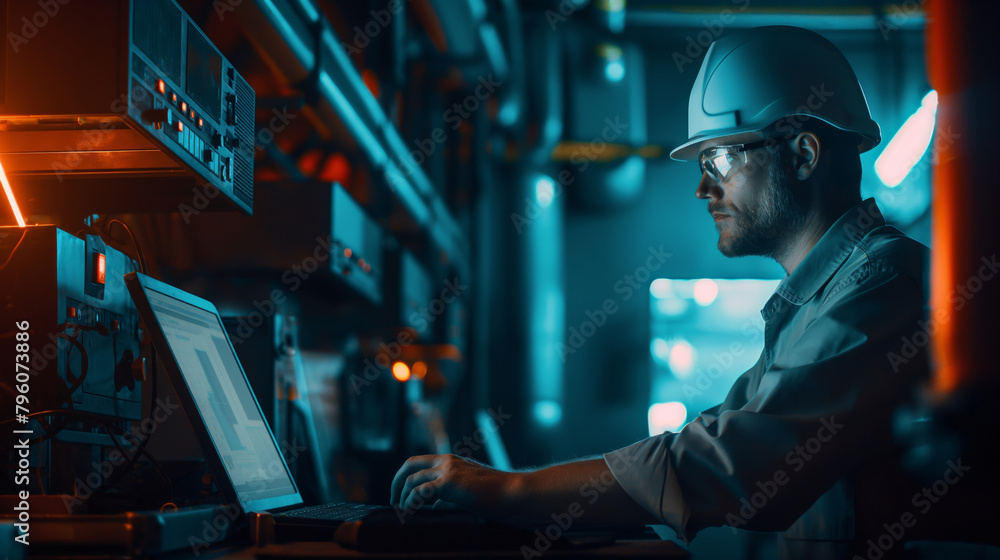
(305, 48)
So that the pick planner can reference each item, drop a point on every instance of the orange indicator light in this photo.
(99, 268)
(400, 371)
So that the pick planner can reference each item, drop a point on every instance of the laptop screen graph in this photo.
(223, 397)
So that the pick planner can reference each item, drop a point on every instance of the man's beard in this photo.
(765, 228)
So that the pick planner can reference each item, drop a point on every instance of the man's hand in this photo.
(451, 480)
(530, 498)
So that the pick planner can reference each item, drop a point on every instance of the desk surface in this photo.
(641, 549)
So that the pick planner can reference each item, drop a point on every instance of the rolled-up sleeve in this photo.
(643, 469)
(823, 404)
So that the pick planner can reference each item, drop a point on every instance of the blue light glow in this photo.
(548, 413)
(661, 288)
(614, 70)
(545, 191)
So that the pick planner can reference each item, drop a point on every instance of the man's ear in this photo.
(806, 151)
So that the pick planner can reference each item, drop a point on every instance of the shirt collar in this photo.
(829, 253)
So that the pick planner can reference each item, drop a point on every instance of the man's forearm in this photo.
(584, 489)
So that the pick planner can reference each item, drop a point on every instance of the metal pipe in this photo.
(296, 56)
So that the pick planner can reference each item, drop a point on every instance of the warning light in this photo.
(10, 197)
(99, 268)
(161, 86)
(400, 371)
(419, 370)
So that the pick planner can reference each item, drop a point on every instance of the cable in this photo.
(84, 363)
(109, 427)
(14, 250)
(135, 243)
(141, 447)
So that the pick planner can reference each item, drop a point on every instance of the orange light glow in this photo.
(100, 270)
(309, 162)
(371, 82)
(347, 252)
(10, 197)
(336, 168)
(419, 370)
(161, 86)
(400, 371)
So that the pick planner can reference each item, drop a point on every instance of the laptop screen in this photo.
(223, 397)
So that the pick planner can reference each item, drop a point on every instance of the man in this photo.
(803, 441)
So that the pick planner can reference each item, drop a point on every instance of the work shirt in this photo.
(803, 441)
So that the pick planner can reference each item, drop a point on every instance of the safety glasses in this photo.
(721, 162)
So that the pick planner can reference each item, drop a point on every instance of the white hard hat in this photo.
(753, 78)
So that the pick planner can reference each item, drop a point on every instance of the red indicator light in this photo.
(161, 86)
(173, 98)
(184, 106)
(192, 114)
(347, 252)
(99, 268)
(201, 122)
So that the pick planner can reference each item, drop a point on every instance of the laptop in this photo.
(250, 470)
(219, 402)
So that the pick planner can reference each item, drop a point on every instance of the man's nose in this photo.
(708, 188)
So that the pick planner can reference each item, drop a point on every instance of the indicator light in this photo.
(400, 371)
(161, 86)
(99, 268)
(419, 370)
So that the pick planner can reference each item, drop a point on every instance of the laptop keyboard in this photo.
(336, 511)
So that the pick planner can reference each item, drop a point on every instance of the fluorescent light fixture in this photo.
(909, 144)
(10, 197)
